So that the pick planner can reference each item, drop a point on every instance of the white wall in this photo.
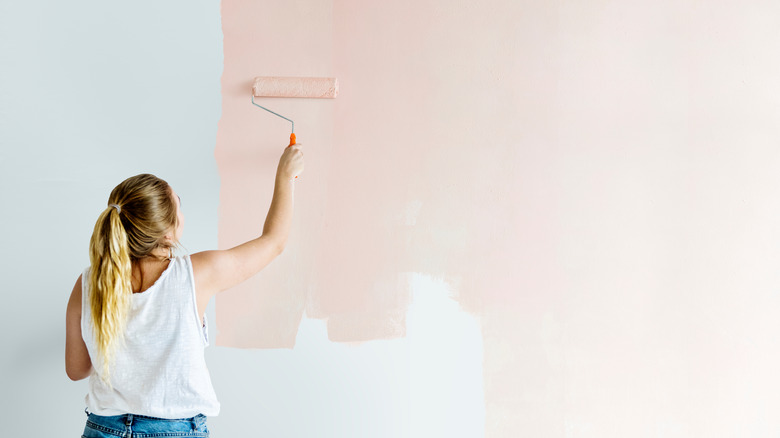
(91, 92)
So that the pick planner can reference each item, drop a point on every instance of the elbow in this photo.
(279, 243)
(280, 248)
(75, 374)
(274, 242)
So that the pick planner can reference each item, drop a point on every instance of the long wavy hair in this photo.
(140, 212)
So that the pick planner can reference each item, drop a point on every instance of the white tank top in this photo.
(160, 369)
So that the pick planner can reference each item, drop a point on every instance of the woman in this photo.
(135, 319)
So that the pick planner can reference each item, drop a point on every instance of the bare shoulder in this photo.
(200, 258)
(202, 262)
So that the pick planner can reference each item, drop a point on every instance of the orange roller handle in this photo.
(292, 142)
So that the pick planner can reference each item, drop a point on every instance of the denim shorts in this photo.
(139, 426)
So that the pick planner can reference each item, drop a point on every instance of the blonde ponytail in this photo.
(141, 210)
(110, 284)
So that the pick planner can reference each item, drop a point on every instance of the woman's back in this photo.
(159, 368)
(133, 322)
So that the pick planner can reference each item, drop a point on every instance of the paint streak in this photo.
(265, 311)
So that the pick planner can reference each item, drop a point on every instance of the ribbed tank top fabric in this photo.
(160, 369)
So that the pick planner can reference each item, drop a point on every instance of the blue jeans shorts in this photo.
(139, 426)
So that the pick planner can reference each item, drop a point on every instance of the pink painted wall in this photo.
(596, 181)
(271, 39)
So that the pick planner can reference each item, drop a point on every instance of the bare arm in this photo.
(77, 362)
(219, 270)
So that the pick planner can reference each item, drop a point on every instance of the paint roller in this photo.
(275, 86)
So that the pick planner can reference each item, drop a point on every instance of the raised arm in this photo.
(219, 270)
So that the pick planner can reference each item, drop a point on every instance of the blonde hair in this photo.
(141, 211)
